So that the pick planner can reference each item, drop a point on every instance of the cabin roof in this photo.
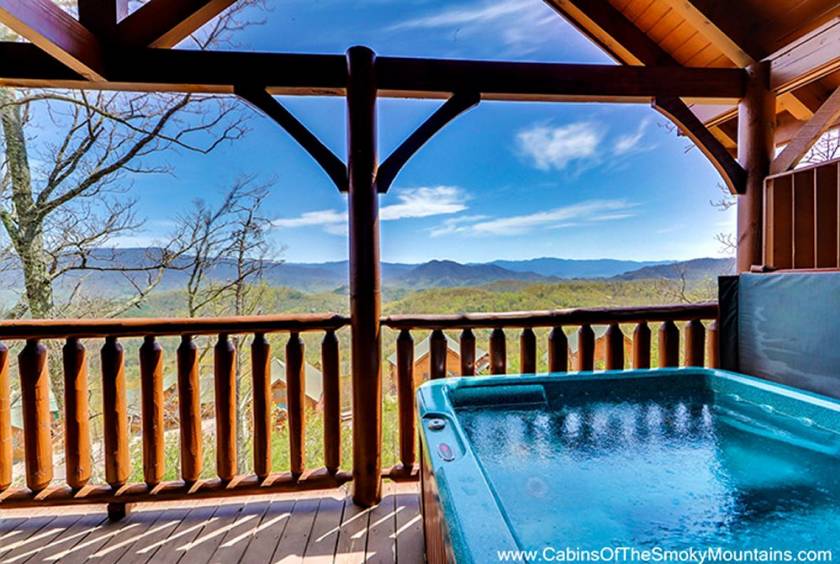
(314, 379)
(421, 350)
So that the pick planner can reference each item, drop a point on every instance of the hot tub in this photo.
(618, 463)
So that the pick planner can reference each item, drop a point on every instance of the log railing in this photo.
(700, 344)
(42, 487)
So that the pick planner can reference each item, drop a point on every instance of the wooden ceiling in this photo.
(800, 37)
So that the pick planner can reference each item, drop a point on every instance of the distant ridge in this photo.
(695, 269)
(574, 268)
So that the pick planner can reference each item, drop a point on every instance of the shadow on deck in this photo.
(321, 526)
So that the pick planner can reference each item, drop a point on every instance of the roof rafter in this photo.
(165, 23)
(56, 32)
(628, 44)
(102, 16)
(808, 134)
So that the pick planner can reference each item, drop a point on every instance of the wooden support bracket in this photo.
(452, 108)
(679, 113)
(262, 100)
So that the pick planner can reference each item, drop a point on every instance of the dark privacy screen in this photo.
(788, 329)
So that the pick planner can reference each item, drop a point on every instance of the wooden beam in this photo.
(399, 76)
(218, 71)
(165, 23)
(56, 32)
(328, 161)
(102, 16)
(722, 25)
(807, 59)
(612, 31)
(808, 134)
(452, 108)
(679, 113)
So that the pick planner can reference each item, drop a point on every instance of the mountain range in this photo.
(332, 276)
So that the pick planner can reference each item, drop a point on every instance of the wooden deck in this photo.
(323, 526)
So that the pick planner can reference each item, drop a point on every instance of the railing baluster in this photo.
(437, 355)
(189, 410)
(263, 416)
(615, 347)
(467, 352)
(405, 396)
(332, 402)
(641, 346)
(151, 384)
(669, 345)
(114, 414)
(498, 352)
(6, 453)
(586, 348)
(713, 345)
(528, 351)
(695, 343)
(76, 414)
(558, 350)
(35, 396)
(224, 367)
(294, 401)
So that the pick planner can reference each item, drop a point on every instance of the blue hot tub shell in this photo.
(469, 517)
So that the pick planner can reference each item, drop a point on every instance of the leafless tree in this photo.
(66, 164)
(228, 254)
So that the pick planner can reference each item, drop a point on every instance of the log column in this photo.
(365, 276)
(756, 130)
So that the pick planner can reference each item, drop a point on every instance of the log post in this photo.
(295, 390)
(467, 352)
(669, 345)
(76, 414)
(114, 414)
(263, 416)
(35, 396)
(615, 347)
(756, 130)
(6, 452)
(712, 343)
(365, 276)
(528, 351)
(332, 403)
(151, 389)
(641, 346)
(437, 355)
(586, 348)
(498, 351)
(695, 343)
(224, 367)
(405, 397)
(189, 410)
(558, 350)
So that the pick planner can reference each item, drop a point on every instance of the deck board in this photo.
(313, 527)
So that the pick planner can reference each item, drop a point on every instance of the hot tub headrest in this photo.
(788, 328)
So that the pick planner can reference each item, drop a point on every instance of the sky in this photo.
(503, 181)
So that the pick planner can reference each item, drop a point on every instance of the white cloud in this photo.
(522, 26)
(555, 147)
(630, 142)
(588, 211)
(425, 201)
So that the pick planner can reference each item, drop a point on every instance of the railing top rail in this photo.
(167, 326)
(560, 317)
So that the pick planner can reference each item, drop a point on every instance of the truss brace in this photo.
(680, 114)
(452, 108)
(262, 100)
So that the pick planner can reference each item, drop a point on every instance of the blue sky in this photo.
(505, 180)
